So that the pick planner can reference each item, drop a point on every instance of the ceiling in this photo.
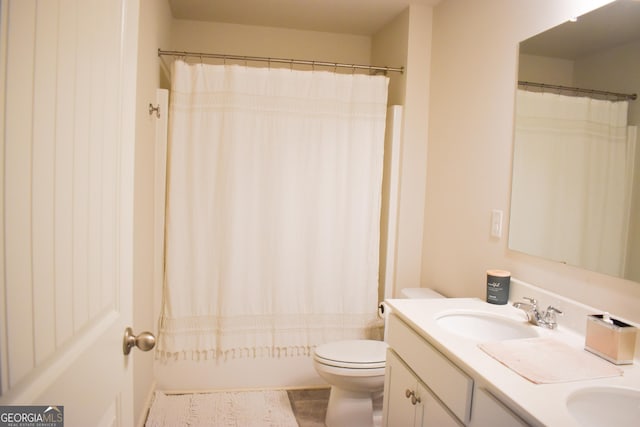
(359, 17)
(366, 17)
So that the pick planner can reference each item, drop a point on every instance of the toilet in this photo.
(355, 371)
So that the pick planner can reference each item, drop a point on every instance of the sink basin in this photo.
(486, 326)
(605, 406)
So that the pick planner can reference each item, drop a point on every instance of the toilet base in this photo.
(349, 409)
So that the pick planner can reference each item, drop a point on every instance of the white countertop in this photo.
(538, 404)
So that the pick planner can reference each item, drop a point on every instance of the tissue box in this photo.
(610, 339)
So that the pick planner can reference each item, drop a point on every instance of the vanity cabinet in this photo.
(447, 395)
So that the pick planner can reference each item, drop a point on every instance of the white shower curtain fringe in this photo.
(237, 353)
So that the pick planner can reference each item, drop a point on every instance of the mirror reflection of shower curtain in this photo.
(572, 180)
(273, 212)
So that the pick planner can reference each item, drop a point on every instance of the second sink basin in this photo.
(605, 406)
(485, 326)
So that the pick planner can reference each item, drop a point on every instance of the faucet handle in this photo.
(533, 301)
(552, 309)
(550, 316)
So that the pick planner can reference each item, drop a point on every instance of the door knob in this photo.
(144, 341)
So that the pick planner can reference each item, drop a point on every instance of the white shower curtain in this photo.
(274, 188)
(572, 178)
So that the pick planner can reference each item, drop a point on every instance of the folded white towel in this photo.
(545, 360)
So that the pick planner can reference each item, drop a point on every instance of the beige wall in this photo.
(407, 40)
(390, 45)
(554, 71)
(249, 40)
(474, 66)
(154, 32)
(414, 149)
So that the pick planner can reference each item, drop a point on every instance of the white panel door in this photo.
(67, 79)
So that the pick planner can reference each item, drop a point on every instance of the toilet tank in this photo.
(419, 293)
(407, 293)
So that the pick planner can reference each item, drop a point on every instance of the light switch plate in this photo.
(496, 223)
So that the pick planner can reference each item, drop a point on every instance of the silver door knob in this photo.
(144, 341)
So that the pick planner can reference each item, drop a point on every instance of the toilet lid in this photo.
(358, 354)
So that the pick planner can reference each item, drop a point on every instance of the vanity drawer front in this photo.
(452, 386)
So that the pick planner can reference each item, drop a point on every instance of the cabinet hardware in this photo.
(412, 394)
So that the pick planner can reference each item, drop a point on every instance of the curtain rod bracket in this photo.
(155, 109)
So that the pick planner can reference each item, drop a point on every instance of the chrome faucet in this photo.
(546, 319)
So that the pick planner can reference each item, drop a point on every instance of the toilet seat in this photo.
(352, 354)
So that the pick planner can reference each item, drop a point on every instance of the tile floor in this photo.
(309, 406)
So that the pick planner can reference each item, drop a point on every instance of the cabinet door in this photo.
(397, 407)
(408, 402)
(432, 413)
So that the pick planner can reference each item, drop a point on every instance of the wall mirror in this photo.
(576, 166)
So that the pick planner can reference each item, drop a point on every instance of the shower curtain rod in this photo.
(618, 96)
(279, 60)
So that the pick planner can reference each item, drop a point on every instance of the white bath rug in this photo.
(228, 409)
